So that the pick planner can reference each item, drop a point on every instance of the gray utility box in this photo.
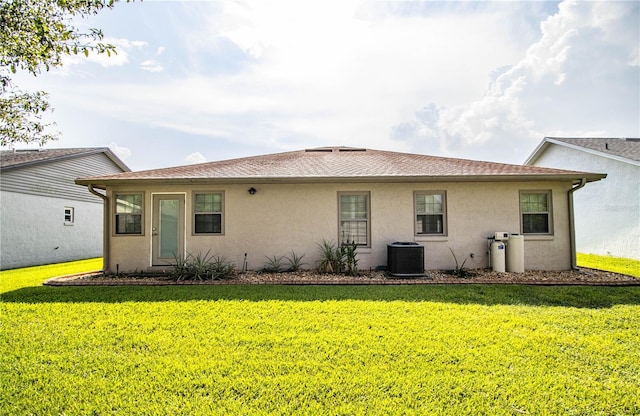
(405, 259)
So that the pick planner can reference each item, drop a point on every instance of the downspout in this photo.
(572, 225)
(105, 229)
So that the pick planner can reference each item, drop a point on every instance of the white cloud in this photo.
(151, 65)
(122, 152)
(322, 72)
(124, 47)
(194, 158)
(565, 83)
(484, 80)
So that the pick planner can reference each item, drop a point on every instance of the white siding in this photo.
(32, 201)
(607, 213)
(56, 179)
(33, 230)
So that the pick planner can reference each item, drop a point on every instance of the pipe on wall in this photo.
(572, 225)
(105, 229)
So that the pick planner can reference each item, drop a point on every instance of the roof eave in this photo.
(89, 151)
(575, 178)
(540, 149)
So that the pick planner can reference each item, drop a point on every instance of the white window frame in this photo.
(417, 230)
(116, 214)
(548, 212)
(196, 213)
(69, 216)
(342, 237)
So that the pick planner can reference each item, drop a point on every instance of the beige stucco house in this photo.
(273, 204)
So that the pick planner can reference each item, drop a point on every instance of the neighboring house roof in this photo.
(625, 149)
(14, 159)
(335, 164)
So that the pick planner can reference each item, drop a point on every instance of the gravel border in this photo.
(583, 276)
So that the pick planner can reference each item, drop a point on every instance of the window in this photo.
(354, 218)
(430, 211)
(128, 213)
(535, 208)
(207, 209)
(68, 215)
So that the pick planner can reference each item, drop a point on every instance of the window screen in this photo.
(536, 212)
(128, 214)
(354, 218)
(208, 213)
(430, 212)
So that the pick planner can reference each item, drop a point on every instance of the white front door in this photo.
(168, 228)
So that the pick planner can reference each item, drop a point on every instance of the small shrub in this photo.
(338, 259)
(295, 262)
(350, 260)
(460, 270)
(201, 267)
(330, 258)
(273, 264)
(198, 266)
(180, 268)
(221, 268)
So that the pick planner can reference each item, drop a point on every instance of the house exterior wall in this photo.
(607, 213)
(32, 202)
(34, 231)
(281, 218)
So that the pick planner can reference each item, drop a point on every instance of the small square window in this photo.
(68, 215)
(128, 214)
(208, 213)
(430, 213)
(535, 209)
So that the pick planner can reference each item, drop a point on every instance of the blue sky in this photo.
(198, 81)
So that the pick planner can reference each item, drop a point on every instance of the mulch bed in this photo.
(582, 276)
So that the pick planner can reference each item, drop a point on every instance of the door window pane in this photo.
(169, 228)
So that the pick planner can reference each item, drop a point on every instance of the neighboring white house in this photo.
(607, 213)
(271, 205)
(44, 216)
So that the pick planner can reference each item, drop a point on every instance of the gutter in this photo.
(105, 230)
(572, 225)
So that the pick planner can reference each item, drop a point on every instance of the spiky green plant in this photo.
(350, 258)
(220, 268)
(295, 262)
(460, 270)
(273, 264)
(327, 257)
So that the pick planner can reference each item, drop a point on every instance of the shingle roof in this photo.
(626, 148)
(11, 159)
(338, 164)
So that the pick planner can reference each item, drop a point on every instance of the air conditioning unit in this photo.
(405, 259)
(501, 236)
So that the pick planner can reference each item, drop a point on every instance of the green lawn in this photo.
(609, 263)
(205, 350)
